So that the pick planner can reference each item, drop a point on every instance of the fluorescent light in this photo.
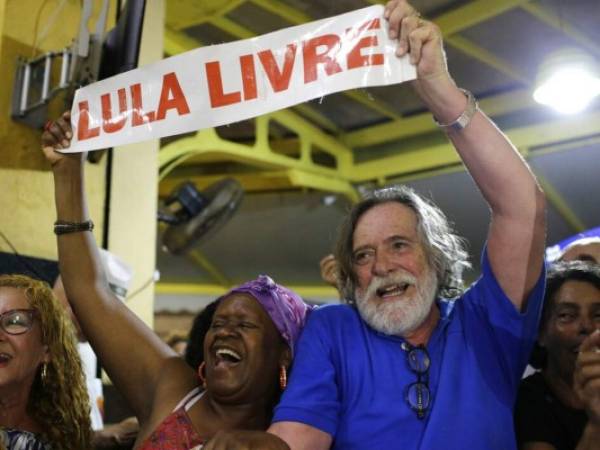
(568, 84)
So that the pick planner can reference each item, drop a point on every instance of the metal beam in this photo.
(283, 10)
(442, 155)
(316, 117)
(176, 42)
(185, 13)
(474, 13)
(527, 153)
(303, 171)
(233, 28)
(549, 17)
(266, 181)
(423, 123)
(468, 48)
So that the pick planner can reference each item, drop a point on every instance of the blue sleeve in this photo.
(493, 323)
(312, 396)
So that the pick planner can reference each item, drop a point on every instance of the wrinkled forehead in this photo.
(385, 220)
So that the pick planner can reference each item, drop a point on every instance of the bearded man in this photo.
(411, 362)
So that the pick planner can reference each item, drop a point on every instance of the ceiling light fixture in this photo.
(568, 81)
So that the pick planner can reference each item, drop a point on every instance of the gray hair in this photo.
(445, 250)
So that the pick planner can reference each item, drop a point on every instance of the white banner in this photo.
(226, 83)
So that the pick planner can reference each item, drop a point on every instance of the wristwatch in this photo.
(465, 118)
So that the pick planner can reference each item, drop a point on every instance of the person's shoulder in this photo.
(533, 386)
(335, 310)
(334, 325)
(334, 315)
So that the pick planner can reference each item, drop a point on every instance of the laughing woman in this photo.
(247, 350)
(43, 398)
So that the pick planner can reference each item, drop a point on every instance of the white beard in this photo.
(400, 316)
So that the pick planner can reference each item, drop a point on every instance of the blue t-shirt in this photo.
(349, 380)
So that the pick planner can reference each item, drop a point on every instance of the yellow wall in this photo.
(26, 186)
(134, 192)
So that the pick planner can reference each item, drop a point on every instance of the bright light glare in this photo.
(569, 90)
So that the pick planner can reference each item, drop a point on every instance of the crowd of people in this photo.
(411, 358)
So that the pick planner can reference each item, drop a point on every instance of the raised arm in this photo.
(131, 353)
(516, 236)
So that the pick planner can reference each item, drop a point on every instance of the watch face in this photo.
(463, 120)
(468, 113)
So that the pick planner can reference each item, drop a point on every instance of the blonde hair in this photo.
(59, 403)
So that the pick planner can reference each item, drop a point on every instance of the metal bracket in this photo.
(36, 80)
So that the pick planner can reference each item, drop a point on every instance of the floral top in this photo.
(176, 432)
(11, 439)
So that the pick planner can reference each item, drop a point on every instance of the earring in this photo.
(201, 374)
(282, 377)
(44, 373)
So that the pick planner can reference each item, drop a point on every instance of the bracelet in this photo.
(465, 118)
(63, 227)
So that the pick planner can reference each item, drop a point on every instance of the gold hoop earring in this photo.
(44, 373)
(201, 374)
(282, 377)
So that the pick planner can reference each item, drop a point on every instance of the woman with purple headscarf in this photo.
(247, 350)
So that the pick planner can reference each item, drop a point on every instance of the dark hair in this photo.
(445, 249)
(194, 352)
(558, 274)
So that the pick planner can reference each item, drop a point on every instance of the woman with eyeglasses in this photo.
(43, 398)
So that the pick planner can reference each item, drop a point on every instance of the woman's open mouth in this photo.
(225, 356)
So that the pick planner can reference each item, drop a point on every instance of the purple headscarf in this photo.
(286, 309)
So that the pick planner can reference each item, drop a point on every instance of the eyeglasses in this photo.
(17, 321)
(418, 395)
